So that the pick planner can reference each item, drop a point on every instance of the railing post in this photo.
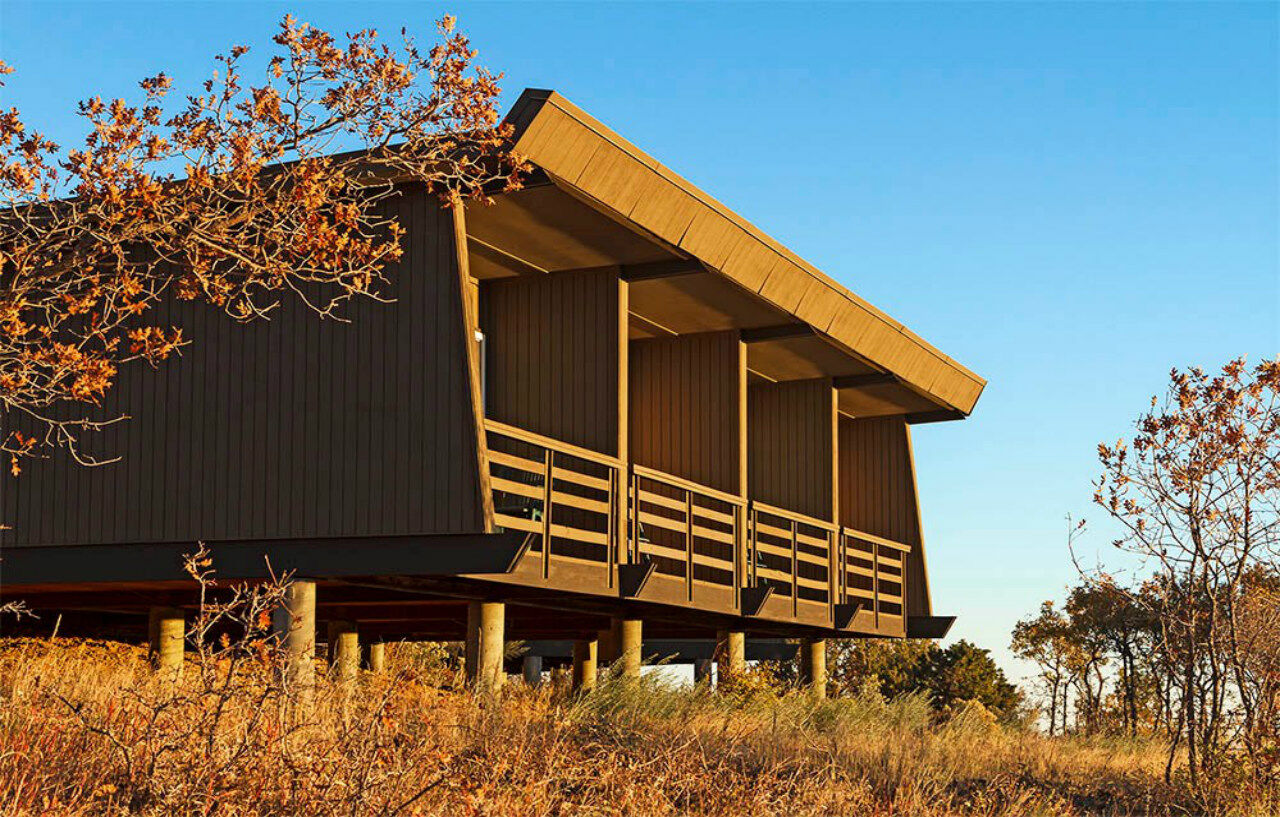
(795, 569)
(833, 548)
(613, 534)
(739, 554)
(875, 580)
(844, 566)
(688, 543)
(548, 471)
(633, 518)
(902, 588)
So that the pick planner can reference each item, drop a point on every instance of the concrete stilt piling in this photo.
(630, 646)
(295, 623)
(374, 656)
(167, 631)
(585, 654)
(485, 643)
(813, 666)
(344, 651)
(731, 654)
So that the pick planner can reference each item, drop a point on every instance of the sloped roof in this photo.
(571, 145)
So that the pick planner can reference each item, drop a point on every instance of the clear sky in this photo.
(1070, 199)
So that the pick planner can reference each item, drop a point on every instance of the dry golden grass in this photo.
(85, 729)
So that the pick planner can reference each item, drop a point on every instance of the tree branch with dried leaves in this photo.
(242, 195)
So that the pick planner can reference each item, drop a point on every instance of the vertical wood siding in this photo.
(288, 428)
(792, 445)
(878, 493)
(552, 355)
(687, 410)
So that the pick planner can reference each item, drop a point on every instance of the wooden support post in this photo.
(532, 671)
(374, 657)
(630, 646)
(344, 651)
(485, 644)
(584, 664)
(702, 670)
(167, 628)
(731, 653)
(813, 666)
(295, 624)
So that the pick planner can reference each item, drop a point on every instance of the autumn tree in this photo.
(1045, 640)
(1194, 494)
(241, 194)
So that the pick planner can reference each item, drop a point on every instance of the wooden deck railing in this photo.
(874, 573)
(567, 494)
(690, 531)
(793, 552)
(588, 507)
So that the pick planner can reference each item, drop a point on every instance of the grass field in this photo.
(85, 728)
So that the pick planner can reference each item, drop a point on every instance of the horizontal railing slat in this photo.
(677, 482)
(879, 540)
(548, 442)
(664, 501)
(508, 486)
(781, 533)
(518, 523)
(585, 480)
(665, 522)
(714, 535)
(590, 536)
(579, 502)
(518, 463)
(773, 510)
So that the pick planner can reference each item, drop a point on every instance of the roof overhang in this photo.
(582, 156)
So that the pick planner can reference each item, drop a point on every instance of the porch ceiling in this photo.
(595, 164)
(551, 227)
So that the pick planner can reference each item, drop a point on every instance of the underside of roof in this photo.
(579, 152)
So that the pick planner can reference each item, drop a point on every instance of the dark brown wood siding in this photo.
(688, 407)
(791, 462)
(878, 493)
(552, 355)
(289, 428)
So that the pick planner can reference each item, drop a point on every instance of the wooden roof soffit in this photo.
(578, 150)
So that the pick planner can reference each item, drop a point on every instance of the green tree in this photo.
(959, 673)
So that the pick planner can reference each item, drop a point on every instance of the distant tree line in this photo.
(1185, 643)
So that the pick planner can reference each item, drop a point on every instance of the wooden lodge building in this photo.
(603, 407)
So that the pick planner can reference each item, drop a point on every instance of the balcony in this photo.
(590, 514)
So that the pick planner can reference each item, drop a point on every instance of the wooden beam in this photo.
(760, 334)
(499, 256)
(470, 318)
(428, 555)
(929, 626)
(941, 415)
(678, 650)
(661, 269)
(857, 381)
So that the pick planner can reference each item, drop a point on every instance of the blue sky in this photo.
(1069, 199)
